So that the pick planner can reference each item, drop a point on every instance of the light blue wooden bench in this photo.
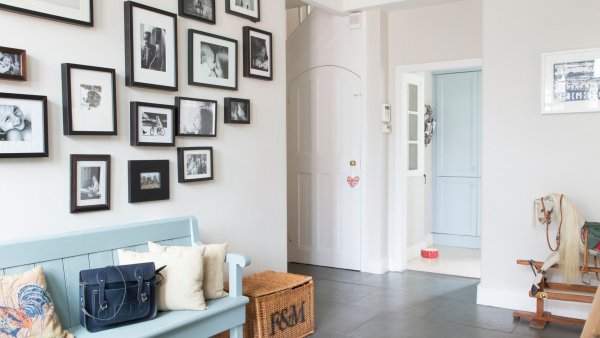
(62, 257)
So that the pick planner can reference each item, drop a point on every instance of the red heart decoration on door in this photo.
(352, 181)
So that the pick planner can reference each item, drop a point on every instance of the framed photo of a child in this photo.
(90, 183)
(13, 64)
(152, 124)
(23, 125)
(196, 117)
(258, 54)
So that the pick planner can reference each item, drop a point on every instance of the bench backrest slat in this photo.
(62, 257)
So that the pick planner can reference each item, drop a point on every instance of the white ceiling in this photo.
(359, 5)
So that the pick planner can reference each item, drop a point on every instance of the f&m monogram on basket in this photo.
(288, 317)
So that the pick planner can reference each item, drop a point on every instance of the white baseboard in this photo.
(414, 251)
(376, 266)
(520, 300)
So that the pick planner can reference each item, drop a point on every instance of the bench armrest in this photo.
(236, 262)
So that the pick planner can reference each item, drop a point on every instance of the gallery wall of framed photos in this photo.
(82, 71)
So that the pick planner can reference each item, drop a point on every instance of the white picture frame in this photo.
(571, 81)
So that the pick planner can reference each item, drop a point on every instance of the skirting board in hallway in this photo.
(454, 261)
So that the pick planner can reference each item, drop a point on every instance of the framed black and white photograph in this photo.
(237, 110)
(212, 60)
(23, 125)
(571, 81)
(90, 182)
(248, 9)
(196, 117)
(201, 10)
(13, 64)
(150, 47)
(89, 100)
(79, 12)
(258, 54)
(195, 164)
(152, 124)
(148, 181)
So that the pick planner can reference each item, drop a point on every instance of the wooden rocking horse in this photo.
(574, 237)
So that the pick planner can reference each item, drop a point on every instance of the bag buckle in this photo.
(144, 297)
(103, 306)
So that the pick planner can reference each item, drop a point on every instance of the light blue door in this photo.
(457, 160)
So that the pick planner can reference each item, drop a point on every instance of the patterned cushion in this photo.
(26, 308)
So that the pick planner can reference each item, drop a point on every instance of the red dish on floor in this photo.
(430, 253)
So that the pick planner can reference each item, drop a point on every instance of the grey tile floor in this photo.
(410, 304)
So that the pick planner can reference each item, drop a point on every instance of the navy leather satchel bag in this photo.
(117, 295)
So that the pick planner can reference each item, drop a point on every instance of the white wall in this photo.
(423, 35)
(526, 154)
(249, 160)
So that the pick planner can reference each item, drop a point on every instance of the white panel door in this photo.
(323, 138)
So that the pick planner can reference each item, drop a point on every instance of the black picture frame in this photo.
(13, 64)
(30, 139)
(201, 67)
(256, 42)
(87, 20)
(232, 7)
(185, 11)
(237, 111)
(143, 129)
(143, 186)
(203, 114)
(195, 164)
(100, 110)
(90, 185)
(146, 68)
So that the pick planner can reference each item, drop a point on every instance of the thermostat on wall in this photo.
(386, 113)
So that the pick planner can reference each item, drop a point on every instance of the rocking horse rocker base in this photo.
(541, 318)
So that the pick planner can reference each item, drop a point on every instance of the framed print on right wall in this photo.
(258, 54)
(248, 9)
(571, 81)
(212, 60)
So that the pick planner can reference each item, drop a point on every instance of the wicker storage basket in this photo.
(281, 306)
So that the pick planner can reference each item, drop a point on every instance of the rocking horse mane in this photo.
(571, 221)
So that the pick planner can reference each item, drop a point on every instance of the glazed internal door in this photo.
(323, 138)
(457, 158)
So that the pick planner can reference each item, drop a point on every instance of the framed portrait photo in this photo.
(79, 12)
(571, 81)
(195, 164)
(237, 110)
(23, 125)
(152, 124)
(13, 64)
(148, 181)
(258, 54)
(248, 9)
(150, 47)
(196, 117)
(201, 10)
(90, 182)
(89, 100)
(212, 60)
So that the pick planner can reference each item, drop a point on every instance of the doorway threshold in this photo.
(464, 262)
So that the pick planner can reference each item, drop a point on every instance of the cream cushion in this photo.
(214, 259)
(181, 288)
(26, 308)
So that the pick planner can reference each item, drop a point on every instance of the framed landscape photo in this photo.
(237, 110)
(89, 100)
(248, 9)
(150, 47)
(195, 164)
(196, 117)
(258, 54)
(148, 181)
(201, 10)
(152, 124)
(212, 60)
(79, 12)
(13, 64)
(23, 125)
(571, 81)
(90, 182)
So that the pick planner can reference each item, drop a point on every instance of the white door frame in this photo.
(398, 225)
